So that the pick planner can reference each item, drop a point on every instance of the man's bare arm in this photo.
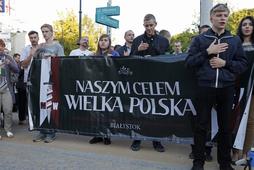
(25, 63)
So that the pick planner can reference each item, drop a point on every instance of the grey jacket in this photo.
(5, 76)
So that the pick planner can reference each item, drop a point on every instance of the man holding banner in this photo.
(26, 59)
(45, 51)
(149, 44)
(217, 58)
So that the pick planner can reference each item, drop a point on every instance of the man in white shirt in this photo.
(26, 59)
(28, 53)
(83, 48)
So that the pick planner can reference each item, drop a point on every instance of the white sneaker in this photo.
(0, 137)
(9, 134)
(241, 162)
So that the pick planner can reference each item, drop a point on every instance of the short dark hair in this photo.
(15, 55)
(165, 33)
(178, 42)
(127, 32)
(117, 46)
(202, 27)
(149, 17)
(2, 43)
(32, 32)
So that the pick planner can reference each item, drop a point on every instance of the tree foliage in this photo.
(235, 18)
(184, 37)
(67, 31)
(233, 22)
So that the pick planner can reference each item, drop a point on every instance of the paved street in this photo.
(74, 152)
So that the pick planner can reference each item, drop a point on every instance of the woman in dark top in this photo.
(246, 33)
(103, 49)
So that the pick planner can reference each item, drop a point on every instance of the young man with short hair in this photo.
(125, 50)
(26, 59)
(217, 58)
(149, 44)
(49, 48)
(28, 52)
(177, 48)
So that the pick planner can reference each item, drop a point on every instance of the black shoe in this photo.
(233, 163)
(208, 158)
(50, 138)
(96, 140)
(158, 146)
(107, 141)
(39, 137)
(197, 167)
(191, 155)
(135, 146)
(14, 108)
(226, 167)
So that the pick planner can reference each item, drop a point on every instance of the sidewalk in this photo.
(74, 152)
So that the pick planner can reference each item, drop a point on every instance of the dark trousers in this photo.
(22, 103)
(222, 100)
(208, 149)
(48, 132)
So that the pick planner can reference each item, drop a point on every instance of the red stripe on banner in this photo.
(55, 63)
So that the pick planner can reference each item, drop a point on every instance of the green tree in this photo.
(67, 31)
(235, 18)
(233, 22)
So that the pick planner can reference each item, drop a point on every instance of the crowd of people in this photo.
(217, 56)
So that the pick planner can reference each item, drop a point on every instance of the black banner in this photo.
(145, 98)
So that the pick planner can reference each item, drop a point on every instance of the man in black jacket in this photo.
(149, 44)
(218, 58)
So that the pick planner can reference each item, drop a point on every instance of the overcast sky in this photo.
(31, 14)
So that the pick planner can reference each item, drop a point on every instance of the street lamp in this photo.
(80, 19)
(109, 3)
(62, 31)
